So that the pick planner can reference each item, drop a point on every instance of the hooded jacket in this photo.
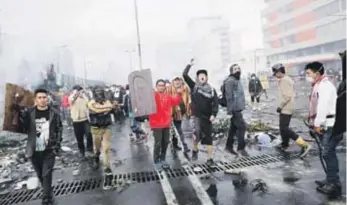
(234, 95)
(163, 117)
(340, 118)
(254, 86)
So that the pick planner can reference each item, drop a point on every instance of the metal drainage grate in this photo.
(59, 190)
(143, 177)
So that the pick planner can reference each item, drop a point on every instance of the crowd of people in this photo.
(191, 106)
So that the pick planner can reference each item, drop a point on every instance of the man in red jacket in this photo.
(160, 122)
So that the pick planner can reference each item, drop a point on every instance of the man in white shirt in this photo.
(322, 116)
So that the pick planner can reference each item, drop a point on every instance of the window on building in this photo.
(289, 40)
(328, 9)
(288, 8)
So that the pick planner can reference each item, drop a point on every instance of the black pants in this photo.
(43, 163)
(203, 131)
(286, 132)
(81, 129)
(254, 97)
(161, 142)
(238, 128)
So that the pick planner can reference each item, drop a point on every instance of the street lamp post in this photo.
(138, 34)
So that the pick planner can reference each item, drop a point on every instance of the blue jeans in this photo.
(136, 128)
(329, 144)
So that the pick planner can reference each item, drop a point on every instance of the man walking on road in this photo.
(322, 113)
(255, 88)
(236, 103)
(100, 119)
(204, 109)
(286, 96)
(160, 122)
(79, 114)
(45, 128)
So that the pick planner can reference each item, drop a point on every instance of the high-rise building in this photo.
(299, 31)
(209, 42)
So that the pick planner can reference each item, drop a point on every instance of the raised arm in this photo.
(186, 77)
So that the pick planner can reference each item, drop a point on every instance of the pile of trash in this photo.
(221, 126)
(16, 170)
(259, 126)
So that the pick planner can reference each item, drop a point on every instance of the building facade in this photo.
(299, 31)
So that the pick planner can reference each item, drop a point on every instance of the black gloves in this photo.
(279, 110)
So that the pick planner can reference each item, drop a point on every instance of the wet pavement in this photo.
(130, 157)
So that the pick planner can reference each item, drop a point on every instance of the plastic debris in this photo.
(31, 183)
(258, 185)
(66, 149)
(76, 172)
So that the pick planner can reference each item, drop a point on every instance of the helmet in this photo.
(279, 67)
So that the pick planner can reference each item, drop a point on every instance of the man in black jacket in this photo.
(204, 109)
(332, 185)
(255, 88)
(44, 127)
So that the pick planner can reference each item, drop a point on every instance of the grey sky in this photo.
(102, 30)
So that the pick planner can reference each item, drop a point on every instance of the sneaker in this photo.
(321, 183)
(210, 163)
(195, 155)
(177, 147)
(304, 151)
(165, 165)
(158, 165)
(332, 190)
(96, 162)
(139, 140)
(281, 148)
(186, 150)
(132, 137)
(108, 171)
(243, 153)
(231, 151)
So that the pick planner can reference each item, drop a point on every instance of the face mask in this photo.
(253, 78)
(237, 75)
(309, 79)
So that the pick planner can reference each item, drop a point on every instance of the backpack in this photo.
(221, 98)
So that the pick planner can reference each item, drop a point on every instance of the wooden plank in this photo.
(15, 95)
(142, 92)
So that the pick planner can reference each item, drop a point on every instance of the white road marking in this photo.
(194, 180)
(167, 189)
(163, 179)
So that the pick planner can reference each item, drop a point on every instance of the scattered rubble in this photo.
(31, 183)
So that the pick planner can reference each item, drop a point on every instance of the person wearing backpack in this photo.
(235, 103)
(204, 109)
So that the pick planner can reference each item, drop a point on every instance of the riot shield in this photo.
(142, 93)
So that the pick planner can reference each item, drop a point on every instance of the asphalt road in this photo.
(189, 189)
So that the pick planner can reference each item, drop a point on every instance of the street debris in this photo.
(66, 149)
(76, 172)
(258, 185)
(31, 183)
